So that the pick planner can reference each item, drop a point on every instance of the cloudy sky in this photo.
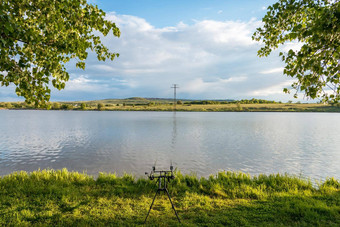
(204, 46)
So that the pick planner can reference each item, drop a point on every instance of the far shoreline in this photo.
(300, 108)
(167, 105)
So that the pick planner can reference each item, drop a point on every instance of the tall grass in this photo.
(62, 198)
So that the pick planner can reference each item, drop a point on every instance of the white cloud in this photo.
(295, 46)
(82, 83)
(271, 90)
(138, 24)
(273, 70)
(229, 32)
(198, 85)
(103, 67)
(208, 59)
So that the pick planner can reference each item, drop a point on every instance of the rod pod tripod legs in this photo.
(173, 207)
(167, 192)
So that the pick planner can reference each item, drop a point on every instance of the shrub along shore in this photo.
(63, 198)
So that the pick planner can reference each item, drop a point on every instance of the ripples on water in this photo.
(304, 144)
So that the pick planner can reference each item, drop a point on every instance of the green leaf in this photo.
(312, 23)
(45, 35)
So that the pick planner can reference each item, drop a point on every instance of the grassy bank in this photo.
(59, 198)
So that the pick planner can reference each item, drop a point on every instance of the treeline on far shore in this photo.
(143, 104)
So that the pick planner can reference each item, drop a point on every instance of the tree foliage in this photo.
(100, 106)
(316, 25)
(83, 106)
(37, 39)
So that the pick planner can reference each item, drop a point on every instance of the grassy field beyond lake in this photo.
(150, 106)
(154, 104)
(62, 198)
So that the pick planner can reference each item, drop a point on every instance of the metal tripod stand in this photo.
(162, 178)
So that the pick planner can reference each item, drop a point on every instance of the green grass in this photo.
(62, 198)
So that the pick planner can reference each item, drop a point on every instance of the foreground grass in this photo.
(62, 198)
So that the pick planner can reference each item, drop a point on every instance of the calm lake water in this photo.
(306, 144)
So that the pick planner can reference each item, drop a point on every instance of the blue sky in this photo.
(162, 13)
(205, 46)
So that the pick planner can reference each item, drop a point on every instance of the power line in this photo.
(175, 86)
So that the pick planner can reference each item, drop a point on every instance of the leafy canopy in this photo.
(316, 25)
(38, 37)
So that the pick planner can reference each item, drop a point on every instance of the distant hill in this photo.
(142, 101)
(158, 100)
(136, 98)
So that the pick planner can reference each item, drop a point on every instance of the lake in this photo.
(306, 144)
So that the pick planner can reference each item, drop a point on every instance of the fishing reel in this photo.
(158, 174)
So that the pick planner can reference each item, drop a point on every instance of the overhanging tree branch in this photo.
(45, 35)
(316, 23)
